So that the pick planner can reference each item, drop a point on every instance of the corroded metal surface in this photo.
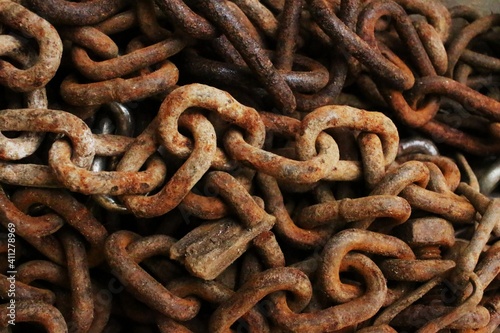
(249, 166)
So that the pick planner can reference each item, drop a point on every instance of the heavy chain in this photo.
(244, 165)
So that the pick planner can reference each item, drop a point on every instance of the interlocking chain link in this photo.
(249, 166)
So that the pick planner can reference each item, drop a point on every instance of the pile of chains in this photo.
(249, 166)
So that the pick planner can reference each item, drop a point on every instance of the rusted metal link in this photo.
(104, 182)
(262, 284)
(434, 46)
(25, 292)
(467, 262)
(434, 11)
(420, 58)
(202, 96)
(223, 47)
(418, 315)
(27, 142)
(49, 44)
(415, 270)
(313, 78)
(138, 282)
(350, 210)
(285, 226)
(261, 16)
(92, 38)
(307, 171)
(288, 29)
(338, 316)
(32, 311)
(79, 277)
(402, 23)
(330, 93)
(27, 225)
(434, 33)
(184, 179)
(492, 305)
(454, 137)
(400, 181)
(458, 44)
(465, 12)
(187, 20)
(216, 293)
(53, 121)
(148, 20)
(252, 52)
(195, 249)
(353, 239)
(459, 311)
(85, 13)
(358, 48)
(33, 270)
(235, 217)
(120, 90)
(74, 213)
(354, 119)
(471, 99)
(128, 63)
(446, 169)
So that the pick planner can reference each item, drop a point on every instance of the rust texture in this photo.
(249, 166)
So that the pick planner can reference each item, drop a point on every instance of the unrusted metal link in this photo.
(417, 145)
(124, 126)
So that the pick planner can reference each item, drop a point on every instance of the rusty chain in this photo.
(249, 166)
